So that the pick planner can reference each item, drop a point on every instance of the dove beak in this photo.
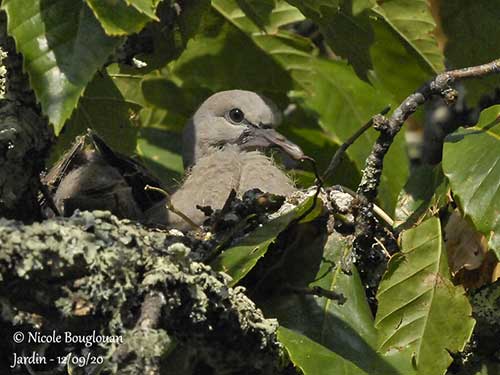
(265, 137)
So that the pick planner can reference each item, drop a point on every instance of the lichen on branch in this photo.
(59, 272)
(25, 137)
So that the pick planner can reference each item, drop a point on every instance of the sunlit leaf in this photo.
(421, 315)
(352, 29)
(118, 18)
(267, 15)
(148, 7)
(63, 45)
(413, 22)
(471, 161)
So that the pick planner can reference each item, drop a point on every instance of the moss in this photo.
(97, 268)
(486, 305)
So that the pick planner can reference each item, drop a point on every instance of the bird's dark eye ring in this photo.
(236, 115)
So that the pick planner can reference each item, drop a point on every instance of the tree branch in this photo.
(441, 85)
(114, 274)
(25, 140)
(339, 154)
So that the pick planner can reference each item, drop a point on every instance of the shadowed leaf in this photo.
(118, 18)
(312, 358)
(469, 27)
(103, 109)
(423, 195)
(344, 332)
(241, 258)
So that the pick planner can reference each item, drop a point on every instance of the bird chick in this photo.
(223, 150)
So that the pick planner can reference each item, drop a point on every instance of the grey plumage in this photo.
(222, 153)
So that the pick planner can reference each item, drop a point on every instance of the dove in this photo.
(224, 146)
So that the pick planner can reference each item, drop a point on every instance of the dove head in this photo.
(234, 117)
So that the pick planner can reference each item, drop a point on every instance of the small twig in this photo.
(319, 292)
(48, 198)
(390, 127)
(172, 208)
(319, 179)
(339, 154)
(319, 186)
(383, 248)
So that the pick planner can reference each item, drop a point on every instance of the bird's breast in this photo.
(211, 179)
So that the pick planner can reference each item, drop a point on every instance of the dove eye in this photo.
(236, 115)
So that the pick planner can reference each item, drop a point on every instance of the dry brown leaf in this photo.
(470, 262)
(466, 247)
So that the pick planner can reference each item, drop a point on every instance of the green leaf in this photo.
(147, 7)
(468, 27)
(471, 161)
(253, 16)
(238, 260)
(196, 17)
(422, 197)
(312, 358)
(350, 28)
(346, 28)
(258, 11)
(161, 152)
(165, 94)
(129, 82)
(399, 47)
(413, 22)
(63, 45)
(345, 330)
(210, 61)
(118, 18)
(104, 109)
(421, 315)
(390, 55)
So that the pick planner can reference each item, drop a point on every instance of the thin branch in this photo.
(339, 154)
(172, 208)
(319, 292)
(441, 85)
(475, 71)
